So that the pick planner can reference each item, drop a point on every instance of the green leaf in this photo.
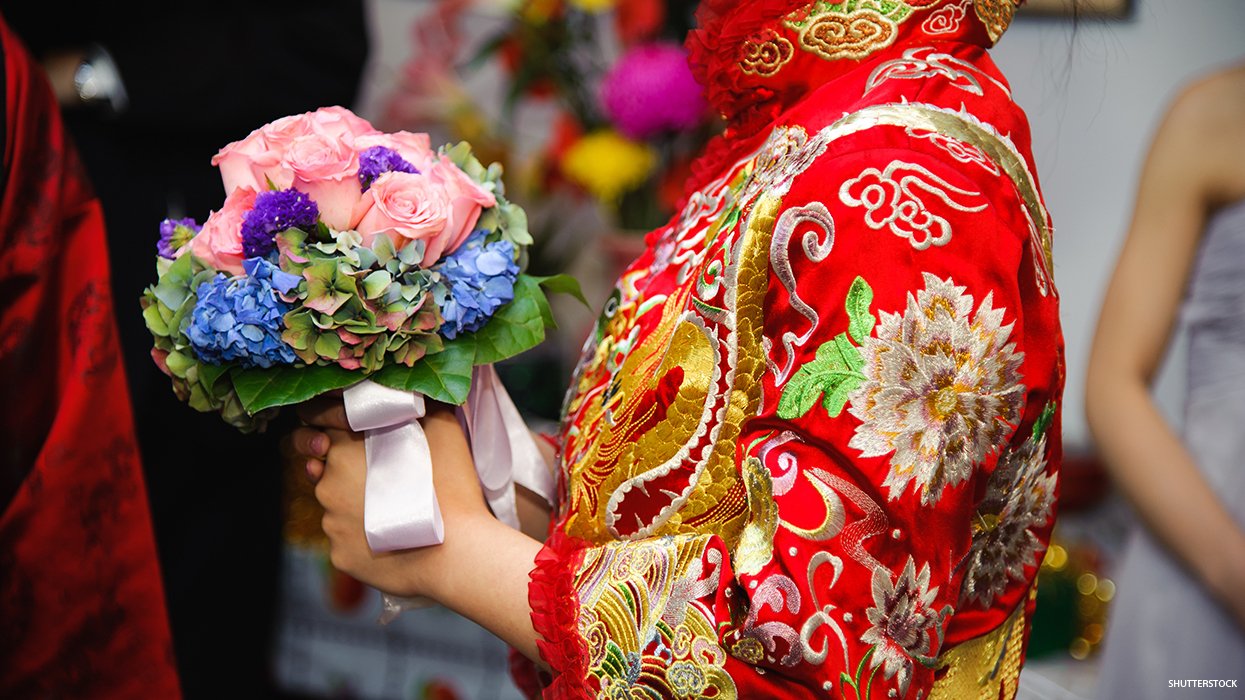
(280, 386)
(860, 318)
(517, 326)
(835, 399)
(1044, 420)
(832, 376)
(209, 374)
(799, 395)
(563, 284)
(444, 376)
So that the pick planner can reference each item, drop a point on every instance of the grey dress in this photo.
(1163, 626)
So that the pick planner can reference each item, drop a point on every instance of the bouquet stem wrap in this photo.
(400, 504)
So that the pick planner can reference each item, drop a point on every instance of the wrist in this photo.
(458, 558)
(1226, 575)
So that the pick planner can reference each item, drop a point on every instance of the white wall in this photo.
(1094, 101)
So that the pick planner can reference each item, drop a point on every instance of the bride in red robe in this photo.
(812, 447)
(81, 604)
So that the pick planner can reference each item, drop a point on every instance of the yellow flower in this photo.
(593, 5)
(607, 164)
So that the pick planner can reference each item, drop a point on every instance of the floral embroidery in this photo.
(1019, 498)
(941, 392)
(896, 202)
(765, 53)
(905, 627)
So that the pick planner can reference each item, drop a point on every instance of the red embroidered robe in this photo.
(812, 447)
(81, 604)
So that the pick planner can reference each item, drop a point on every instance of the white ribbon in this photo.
(400, 508)
(502, 446)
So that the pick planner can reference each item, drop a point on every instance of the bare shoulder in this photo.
(1207, 122)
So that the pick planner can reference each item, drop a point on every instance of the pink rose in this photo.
(219, 242)
(257, 159)
(414, 148)
(467, 199)
(250, 162)
(326, 168)
(407, 207)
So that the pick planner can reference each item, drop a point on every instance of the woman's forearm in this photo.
(1158, 475)
(482, 573)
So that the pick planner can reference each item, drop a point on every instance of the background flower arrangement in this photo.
(619, 114)
(342, 253)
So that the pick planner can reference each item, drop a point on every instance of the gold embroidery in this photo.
(852, 36)
(711, 358)
(985, 668)
(756, 544)
(851, 29)
(996, 15)
(640, 594)
(765, 53)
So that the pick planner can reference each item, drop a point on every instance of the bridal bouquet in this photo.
(346, 257)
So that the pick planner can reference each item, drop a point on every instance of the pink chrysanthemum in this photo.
(650, 90)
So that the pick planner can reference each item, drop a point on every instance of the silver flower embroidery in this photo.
(905, 627)
(1019, 498)
(941, 391)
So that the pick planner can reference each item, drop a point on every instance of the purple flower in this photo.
(651, 90)
(378, 160)
(476, 281)
(175, 233)
(273, 213)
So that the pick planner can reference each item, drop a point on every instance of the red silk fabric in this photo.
(81, 604)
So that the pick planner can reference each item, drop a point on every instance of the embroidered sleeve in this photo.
(896, 477)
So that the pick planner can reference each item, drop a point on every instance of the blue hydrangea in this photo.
(476, 280)
(378, 160)
(238, 319)
(274, 212)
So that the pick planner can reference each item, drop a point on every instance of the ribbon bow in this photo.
(400, 509)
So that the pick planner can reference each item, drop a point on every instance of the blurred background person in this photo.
(150, 92)
(81, 607)
(1180, 611)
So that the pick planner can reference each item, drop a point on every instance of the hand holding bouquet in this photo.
(347, 257)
